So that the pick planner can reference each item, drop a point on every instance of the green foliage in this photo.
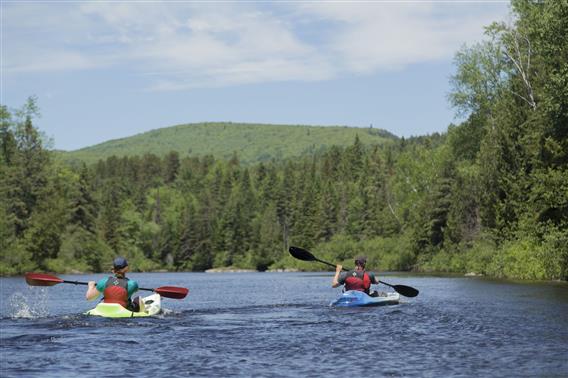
(489, 197)
(479, 79)
(17, 259)
(383, 254)
(523, 259)
(253, 143)
(555, 253)
(82, 251)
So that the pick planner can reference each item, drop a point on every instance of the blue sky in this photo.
(104, 70)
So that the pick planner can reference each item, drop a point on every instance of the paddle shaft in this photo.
(86, 283)
(42, 279)
(330, 264)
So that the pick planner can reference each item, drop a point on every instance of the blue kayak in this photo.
(353, 298)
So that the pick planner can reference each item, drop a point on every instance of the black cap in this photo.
(120, 263)
(361, 260)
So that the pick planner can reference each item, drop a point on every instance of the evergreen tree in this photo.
(188, 241)
(109, 220)
(83, 205)
(172, 165)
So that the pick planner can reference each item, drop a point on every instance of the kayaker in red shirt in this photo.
(358, 279)
(117, 288)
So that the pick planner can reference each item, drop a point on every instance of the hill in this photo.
(252, 142)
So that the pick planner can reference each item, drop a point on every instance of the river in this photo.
(281, 325)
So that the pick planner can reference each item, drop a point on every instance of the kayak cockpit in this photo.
(149, 306)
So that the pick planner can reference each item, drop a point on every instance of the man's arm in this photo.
(92, 292)
(335, 282)
(374, 279)
(132, 287)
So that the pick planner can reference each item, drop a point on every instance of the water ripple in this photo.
(450, 330)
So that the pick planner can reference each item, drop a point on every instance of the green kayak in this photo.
(149, 306)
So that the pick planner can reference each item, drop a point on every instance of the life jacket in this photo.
(116, 291)
(358, 280)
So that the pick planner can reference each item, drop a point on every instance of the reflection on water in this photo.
(280, 325)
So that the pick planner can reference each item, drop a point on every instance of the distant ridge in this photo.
(253, 143)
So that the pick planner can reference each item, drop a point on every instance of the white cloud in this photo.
(50, 60)
(265, 70)
(370, 37)
(175, 46)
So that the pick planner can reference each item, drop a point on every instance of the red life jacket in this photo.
(116, 291)
(358, 280)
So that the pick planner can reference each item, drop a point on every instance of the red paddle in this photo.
(42, 279)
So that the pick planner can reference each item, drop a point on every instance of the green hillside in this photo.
(252, 142)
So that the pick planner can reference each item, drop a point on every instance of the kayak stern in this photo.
(353, 298)
(150, 305)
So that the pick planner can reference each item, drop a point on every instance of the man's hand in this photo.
(335, 281)
(92, 292)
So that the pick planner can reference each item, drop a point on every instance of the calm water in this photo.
(280, 325)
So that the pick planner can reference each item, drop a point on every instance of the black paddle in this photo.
(42, 279)
(302, 254)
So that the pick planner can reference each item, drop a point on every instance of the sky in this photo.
(103, 70)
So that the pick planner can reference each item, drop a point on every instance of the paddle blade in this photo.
(407, 291)
(301, 254)
(172, 292)
(41, 279)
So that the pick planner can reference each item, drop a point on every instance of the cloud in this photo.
(180, 46)
(265, 70)
(374, 37)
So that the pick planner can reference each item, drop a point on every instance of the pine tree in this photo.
(83, 205)
(109, 220)
(172, 165)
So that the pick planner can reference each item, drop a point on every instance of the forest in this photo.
(254, 143)
(489, 196)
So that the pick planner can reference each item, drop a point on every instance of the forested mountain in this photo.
(253, 143)
(489, 196)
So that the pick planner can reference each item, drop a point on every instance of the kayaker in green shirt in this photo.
(116, 288)
(357, 279)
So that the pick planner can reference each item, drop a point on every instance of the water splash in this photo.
(30, 305)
